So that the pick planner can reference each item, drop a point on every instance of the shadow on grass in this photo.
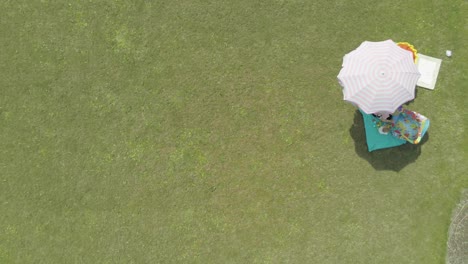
(394, 159)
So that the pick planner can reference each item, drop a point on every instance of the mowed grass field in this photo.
(215, 132)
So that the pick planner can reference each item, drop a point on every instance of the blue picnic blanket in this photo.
(376, 140)
(405, 126)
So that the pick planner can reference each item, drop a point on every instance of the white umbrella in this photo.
(378, 76)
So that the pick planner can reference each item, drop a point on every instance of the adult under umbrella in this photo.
(378, 76)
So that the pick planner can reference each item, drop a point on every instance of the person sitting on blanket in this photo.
(384, 116)
(404, 124)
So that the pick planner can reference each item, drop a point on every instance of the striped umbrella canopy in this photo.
(378, 76)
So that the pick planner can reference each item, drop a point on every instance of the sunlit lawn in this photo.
(215, 132)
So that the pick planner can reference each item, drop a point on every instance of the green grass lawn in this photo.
(198, 131)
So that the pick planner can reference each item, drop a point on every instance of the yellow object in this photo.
(409, 47)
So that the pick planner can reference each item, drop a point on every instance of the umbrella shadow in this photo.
(394, 159)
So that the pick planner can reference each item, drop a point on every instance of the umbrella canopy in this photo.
(378, 76)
